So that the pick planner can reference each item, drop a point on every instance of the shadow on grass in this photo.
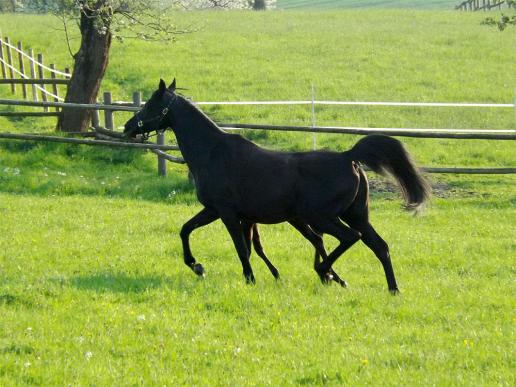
(53, 169)
(118, 283)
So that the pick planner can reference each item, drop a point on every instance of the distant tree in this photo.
(8, 5)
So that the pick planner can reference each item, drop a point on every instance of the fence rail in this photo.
(110, 107)
(160, 148)
(10, 69)
(358, 103)
(28, 81)
(482, 5)
(473, 134)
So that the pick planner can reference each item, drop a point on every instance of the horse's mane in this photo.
(191, 107)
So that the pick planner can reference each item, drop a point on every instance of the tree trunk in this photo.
(90, 65)
(259, 5)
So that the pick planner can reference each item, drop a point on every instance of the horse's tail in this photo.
(385, 154)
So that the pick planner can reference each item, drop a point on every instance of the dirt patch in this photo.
(439, 189)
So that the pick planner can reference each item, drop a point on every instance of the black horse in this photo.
(318, 192)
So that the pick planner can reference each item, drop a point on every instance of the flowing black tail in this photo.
(385, 154)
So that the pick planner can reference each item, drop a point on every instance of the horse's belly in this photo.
(266, 207)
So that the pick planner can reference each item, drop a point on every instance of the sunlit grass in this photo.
(95, 291)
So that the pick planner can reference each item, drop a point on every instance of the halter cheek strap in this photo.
(158, 118)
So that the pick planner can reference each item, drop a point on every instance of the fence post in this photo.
(313, 118)
(4, 73)
(137, 99)
(109, 121)
(514, 100)
(67, 71)
(95, 117)
(10, 64)
(22, 69)
(41, 76)
(162, 163)
(33, 75)
(55, 90)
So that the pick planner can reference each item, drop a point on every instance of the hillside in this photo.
(426, 4)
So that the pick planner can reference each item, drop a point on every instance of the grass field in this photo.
(92, 285)
(321, 4)
(93, 291)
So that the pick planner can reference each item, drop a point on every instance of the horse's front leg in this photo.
(237, 231)
(206, 216)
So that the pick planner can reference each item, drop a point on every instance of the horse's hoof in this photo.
(343, 283)
(250, 280)
(394, 292)
(198, 269)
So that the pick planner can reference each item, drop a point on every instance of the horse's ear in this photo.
(172, 86)
(162, 86)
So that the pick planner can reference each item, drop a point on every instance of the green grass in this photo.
(92, 285)
(94, 291)
(321, 4)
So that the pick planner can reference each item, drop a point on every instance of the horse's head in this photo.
(155, 114)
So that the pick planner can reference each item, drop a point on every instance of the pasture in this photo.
(92, 285)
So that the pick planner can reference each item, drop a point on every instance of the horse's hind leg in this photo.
(203, 218)
(316, 240)
(380, 248)
(257, 244)
(346, 237)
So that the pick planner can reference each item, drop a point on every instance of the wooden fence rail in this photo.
(159, 149)
(109, 107)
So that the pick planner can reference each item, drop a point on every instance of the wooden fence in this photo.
(36, 76)
(135, 105)
(484, 5)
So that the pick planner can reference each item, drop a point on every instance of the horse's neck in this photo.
(196, 136)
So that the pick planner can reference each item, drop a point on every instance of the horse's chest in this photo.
(211, 191)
